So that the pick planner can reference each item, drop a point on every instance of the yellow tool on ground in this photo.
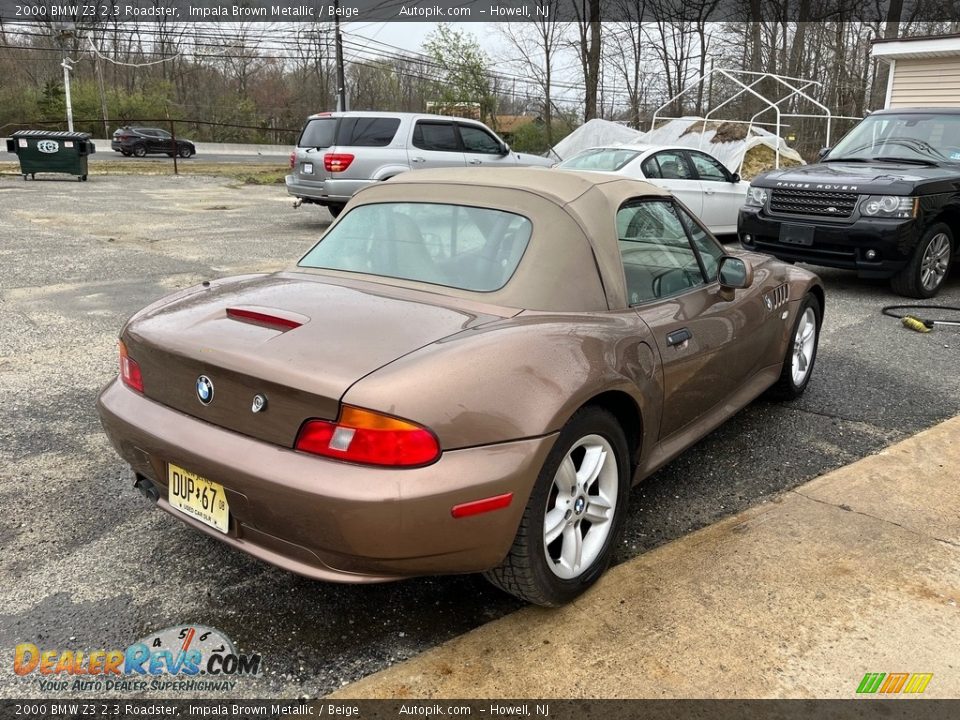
(915, 324)
(919, 324)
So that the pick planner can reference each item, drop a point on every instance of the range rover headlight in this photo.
(890, 206)
(756, 196)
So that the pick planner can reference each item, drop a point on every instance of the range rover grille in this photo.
(813, 202)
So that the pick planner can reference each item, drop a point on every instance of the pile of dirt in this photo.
(724, 131)
(761, 158)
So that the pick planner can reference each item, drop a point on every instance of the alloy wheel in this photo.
(580, 507)
(804, 344)
(936, 259)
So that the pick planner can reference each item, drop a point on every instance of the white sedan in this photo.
(697, 179)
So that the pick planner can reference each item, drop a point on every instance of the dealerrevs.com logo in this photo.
(179, 658)
(894, 683)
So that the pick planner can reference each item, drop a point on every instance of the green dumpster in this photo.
(51, 151)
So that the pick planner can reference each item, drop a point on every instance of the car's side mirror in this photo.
(734, 274)
(504, 149)
(735, 178)
(823, 152)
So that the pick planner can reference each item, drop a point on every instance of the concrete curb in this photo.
(856, 571)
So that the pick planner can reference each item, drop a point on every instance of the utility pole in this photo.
(338, 44)
(66, 88)
(98, 69)
(64, 33)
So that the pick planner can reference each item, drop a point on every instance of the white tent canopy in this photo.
(688, 132)
(594, 133)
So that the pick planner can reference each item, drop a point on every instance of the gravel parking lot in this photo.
(88, 563)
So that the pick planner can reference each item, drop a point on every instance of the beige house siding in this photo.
(933, 82)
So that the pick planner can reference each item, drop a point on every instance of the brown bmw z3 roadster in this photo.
(465, 374)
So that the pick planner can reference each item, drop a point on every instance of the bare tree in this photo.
(588, 44)
(628, 57)
(538, 42)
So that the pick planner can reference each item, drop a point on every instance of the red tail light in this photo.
(293, 159)
(369, 438)
(130, 371)
(337, 162)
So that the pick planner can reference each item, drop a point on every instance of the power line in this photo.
(365, 51)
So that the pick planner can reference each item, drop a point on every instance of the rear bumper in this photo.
(838, 245)
(325, 191)
(330, 520)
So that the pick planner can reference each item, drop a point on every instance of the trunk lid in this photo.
(303, 344)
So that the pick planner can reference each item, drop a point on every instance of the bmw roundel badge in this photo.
(204, 390)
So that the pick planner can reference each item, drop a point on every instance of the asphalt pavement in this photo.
(88, 563)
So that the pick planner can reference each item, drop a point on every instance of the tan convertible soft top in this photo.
(572, 262)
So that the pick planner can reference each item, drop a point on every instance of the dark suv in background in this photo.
(141, 141)
(885, 201)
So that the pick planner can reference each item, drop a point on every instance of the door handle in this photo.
(709, 192)
(476, 162)
(678, 337)
(418, 160)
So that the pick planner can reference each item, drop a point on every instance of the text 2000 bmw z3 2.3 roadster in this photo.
(465, 374)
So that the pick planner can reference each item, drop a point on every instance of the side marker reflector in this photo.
(476, 507)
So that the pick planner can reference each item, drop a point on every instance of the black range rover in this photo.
(885, 201)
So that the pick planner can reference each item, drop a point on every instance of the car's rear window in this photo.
(367, 131)
(602, 159)
(458, 246)
(318, 133)
(349, 132)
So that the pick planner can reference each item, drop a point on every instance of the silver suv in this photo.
(340, 153)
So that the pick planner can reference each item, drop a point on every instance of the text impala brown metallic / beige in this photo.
(465, 374)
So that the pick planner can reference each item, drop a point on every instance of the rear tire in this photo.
(140, 151)
(574, 517)
(336, 208)
(929, 266)
(801, 352)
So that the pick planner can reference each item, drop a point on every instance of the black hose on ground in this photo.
(917, 323)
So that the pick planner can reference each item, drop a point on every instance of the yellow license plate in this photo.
(201, 499)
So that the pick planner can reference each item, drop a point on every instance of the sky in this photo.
(410, 35)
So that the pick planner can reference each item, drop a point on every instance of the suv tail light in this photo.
(369, 438)
(293, 159)
(337, 162)
(130, 370)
